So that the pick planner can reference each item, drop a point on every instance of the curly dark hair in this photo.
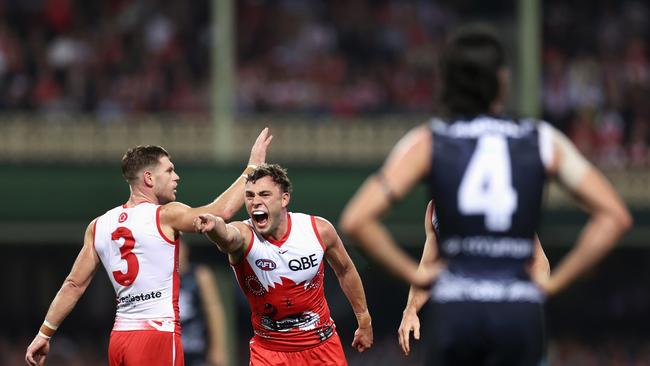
(137, 158)
(277, 173)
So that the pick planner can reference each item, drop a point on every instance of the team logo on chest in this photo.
(265, 264)
(123, 217)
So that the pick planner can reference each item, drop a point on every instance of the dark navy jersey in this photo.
(487, 179)
(193, 330)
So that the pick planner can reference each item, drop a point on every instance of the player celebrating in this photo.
(278, 260)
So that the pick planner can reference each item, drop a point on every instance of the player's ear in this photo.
(286, 197)
(147, 178)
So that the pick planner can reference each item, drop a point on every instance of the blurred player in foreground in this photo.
(486, 174)
(278, 260)
(137, 243)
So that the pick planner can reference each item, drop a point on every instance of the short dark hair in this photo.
(139, 157)
(469, 70)
(277, 173)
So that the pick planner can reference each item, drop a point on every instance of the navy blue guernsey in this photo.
(487, 180)
(193, 329)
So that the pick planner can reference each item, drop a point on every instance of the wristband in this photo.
(40, 334)
(48, 329)
(50, 325)
(249, 169)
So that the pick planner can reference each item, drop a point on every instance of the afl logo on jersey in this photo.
(265, 264)
(123, 217)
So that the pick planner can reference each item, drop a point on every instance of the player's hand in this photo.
(37, 351)
(410, 323)
(362, 338)
(205, 223)
(258, 151)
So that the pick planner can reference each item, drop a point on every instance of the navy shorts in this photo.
(486, 333)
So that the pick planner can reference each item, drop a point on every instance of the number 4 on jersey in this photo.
(486, 188)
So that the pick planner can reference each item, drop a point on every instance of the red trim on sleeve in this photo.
(160, 228)
(313, 225)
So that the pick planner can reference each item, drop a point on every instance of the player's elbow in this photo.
(625, 220)
(73, 287)
(228, 213)
(350, 224)
(620, 216)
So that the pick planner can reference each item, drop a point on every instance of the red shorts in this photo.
(328, 353)
(145, 347)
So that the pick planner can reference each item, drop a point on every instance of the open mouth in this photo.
(260, 217)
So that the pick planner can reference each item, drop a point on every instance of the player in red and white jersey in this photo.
(278, 257)
(137, 243)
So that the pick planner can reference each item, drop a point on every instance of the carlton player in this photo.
(137, 243)
(486, 173)
(278, 257)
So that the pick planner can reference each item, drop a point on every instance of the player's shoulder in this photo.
(90, 228)
(324, 228)
(172, 209)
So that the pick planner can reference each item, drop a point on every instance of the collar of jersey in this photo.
(286, 235)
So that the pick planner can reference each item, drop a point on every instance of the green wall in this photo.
(53, 202)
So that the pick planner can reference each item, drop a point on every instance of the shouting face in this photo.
(266, 204)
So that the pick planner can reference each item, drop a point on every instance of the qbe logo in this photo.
(265, 264)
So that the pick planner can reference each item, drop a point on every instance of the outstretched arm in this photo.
(176, 216)
(609, 218)
(231, 239)
(73, 287)
(404, 167)
(350, 282)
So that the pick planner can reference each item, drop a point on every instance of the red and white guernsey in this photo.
(142, 264)
(283, 281)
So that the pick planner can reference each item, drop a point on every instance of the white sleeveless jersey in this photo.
(283, 282)
(142, 265)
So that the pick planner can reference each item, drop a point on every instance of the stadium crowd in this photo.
(317, 58)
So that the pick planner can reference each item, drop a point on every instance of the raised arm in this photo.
(609, 218)
(407, 163)
(176, 216)
(73, 287)
(232, 239)
(350, 282)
